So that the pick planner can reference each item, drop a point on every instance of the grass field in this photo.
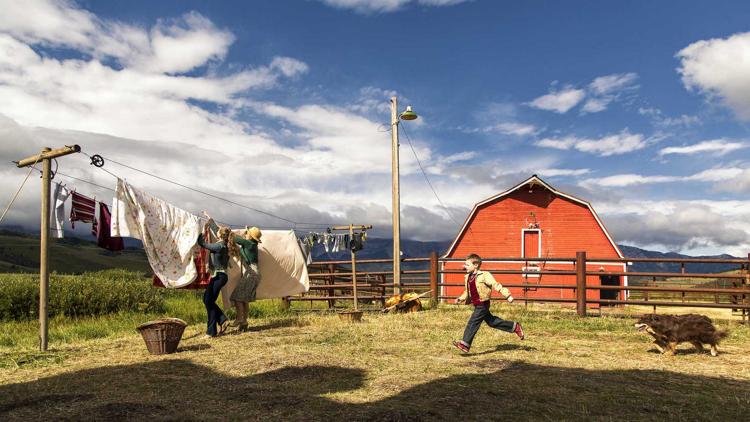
(312, 366)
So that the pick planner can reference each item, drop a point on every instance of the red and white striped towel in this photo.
(83, 209)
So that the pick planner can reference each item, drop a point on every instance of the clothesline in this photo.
(232, 225)
(295, 223)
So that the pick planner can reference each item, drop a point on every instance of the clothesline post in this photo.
(354, 269)
(44, 157)
(351, 228)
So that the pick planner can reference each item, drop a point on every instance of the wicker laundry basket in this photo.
(163, 335)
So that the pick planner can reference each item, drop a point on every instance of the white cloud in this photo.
(512, 128)
(124, 97)
(716, 146)
(563, 172)
(602, 91)
(559, 101)
(720, 68)
(659, 119)
(706, 227)
(612, 83)
(615, 144)
(384, 6)
(624, 180)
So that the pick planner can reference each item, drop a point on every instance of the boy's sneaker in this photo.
(460, 345)
(519, 331)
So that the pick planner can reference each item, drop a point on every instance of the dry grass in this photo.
(391, 367)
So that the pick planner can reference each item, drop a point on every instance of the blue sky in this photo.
(639, 107)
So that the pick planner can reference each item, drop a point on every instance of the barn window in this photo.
(531, 247)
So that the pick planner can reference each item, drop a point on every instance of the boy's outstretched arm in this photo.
(498, 287)
(462, 298)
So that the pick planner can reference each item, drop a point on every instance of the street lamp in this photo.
(408, 114)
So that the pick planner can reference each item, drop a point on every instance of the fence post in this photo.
(581, 283)
(434, 279)
(331, 280)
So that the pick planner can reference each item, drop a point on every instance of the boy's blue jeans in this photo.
(482, 314)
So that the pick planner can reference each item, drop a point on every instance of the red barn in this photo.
(535, 220)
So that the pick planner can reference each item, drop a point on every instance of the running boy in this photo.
(477, 291)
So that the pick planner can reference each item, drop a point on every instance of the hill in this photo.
(19, 252)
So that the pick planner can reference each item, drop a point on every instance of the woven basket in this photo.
(163, 335)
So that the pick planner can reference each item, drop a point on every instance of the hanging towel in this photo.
(60, 196)
(281, 266)
(103, 238)
(83, 209)
(200, 259)
(168, 233)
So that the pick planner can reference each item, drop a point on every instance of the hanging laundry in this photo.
(327, 242)
(306, 249)
(168, 233)
(103, 238)
(357, 242)
(200, 259)
(60, 195)
(281, 266)
(83, 209)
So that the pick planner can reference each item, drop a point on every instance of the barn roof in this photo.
(534, 180)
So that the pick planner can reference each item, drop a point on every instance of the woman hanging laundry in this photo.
(218, 263)
(248, 284)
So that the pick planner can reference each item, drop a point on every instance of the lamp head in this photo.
(408, 114)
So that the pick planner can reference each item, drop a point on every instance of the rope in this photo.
(294, 223)
(31, 168)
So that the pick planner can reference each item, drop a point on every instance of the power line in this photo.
(427, 179)
(295, 223)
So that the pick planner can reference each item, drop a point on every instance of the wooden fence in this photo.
(331, 282)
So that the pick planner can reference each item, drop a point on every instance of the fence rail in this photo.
(332, 281)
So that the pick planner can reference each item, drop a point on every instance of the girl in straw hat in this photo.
(246, 287)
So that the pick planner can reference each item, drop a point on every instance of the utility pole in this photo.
(396, 211)
(44, 157)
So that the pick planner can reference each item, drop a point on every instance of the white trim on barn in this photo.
(531, 180)
(523, 242)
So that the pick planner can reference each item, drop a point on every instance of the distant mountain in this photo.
(19, 252)
(633, 252)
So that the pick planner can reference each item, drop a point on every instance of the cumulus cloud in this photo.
(700, 226)
(690, 227)
(615, 144)
(719, 68)
(716, 147)
(384, 6)
(126, 97)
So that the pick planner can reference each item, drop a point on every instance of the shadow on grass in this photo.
(502, 348)
(182, 390)
(233, 331)
(194, 347)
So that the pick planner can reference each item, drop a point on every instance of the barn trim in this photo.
(532, 180)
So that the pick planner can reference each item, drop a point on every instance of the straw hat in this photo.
(254, 233)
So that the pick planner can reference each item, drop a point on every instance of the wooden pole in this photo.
(581, 283)
(396, 211)
(434, 279)
(44, 157)
(354, 269)
(43, 254)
